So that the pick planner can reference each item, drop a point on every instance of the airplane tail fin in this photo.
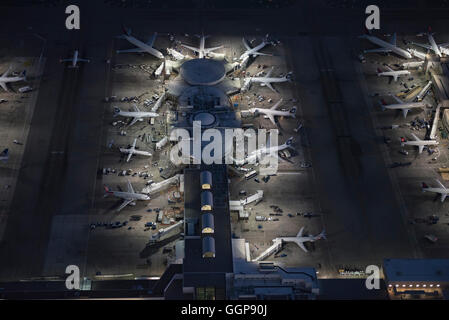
(4, 155)
(107, 190)
(126, 30)
(322, 235)
(424, 186)
(379, 71)
(289, 142)
(293, 112)
(116, 110)
(382, 104)
(289, 75)
(24, 74)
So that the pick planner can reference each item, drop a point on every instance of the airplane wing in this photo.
(268, 84)
(420, 149)
(276, 105)
(245, 43)
(133, 121)
(130, 187)
(269, 72)
(129, 156)
(212, 49)
(301, 231)
(398, 100)
(395, 77)
(378, 50)
(393, 39)
(189, 47)
(440, 184)
(415, 137)
(3, 85)
(134, 143)
(84, 60)
(260, 54)
(404, 112)
(124, 204)
(7, 72)
(136, 50)
(388, 68)
(271, 117)
(66, 60)
(136, 108)
(301, 245)
(150, 41)
(444, 45)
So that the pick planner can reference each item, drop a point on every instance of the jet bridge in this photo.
(159, 186)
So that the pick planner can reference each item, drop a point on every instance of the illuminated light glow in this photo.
(431, 285)
(390, 285)
(410, 286)
(417, 285)
(397, 286)
(424, 285)
(438, 285)
(403, 286)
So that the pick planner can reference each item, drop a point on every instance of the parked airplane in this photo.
(261, 153)
(437, 48)
(137, 115)
(253, 51)
(142, 47)
(4, 156)
(266, 80)
(419, 143)
(132, 150)
(442, 190)
(74, 60)
(4, 79)
(386, 47)
(272, 112)
(129, 197)
(392, 73)
(202, 51)
(300, 239)
(417, 54)
(401, 105)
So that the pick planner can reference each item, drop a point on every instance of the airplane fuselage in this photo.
(434, 45)
(144, 46)
(389, 46)
(130, 196)
(139, 115)
(407, 105)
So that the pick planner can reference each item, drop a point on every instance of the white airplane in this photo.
(141, 46)
(177, 55)
(253, 51)
(132, 150)
(137, 115)
(129, 197)
(419, 143)
(437, 48)
(4, 156)
(401, 105)
(386, 47)
(300, 239)
(272, 112)
(261, 153)
(4, 79)
(266, 80)
(417, 54)
(202, 51)
(442, 190)
(392, 73)
(74, 60)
